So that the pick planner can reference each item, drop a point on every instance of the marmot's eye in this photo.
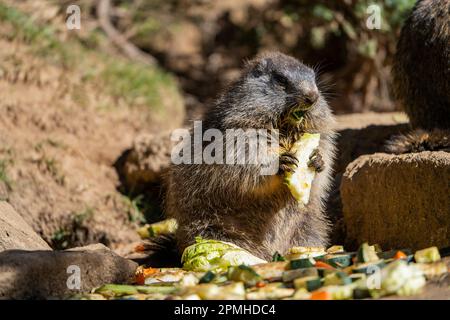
(257, 72)
(280, 79)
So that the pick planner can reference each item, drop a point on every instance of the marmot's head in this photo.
(272, 89)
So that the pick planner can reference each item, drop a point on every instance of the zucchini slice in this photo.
(427, 255)
(300, 181)
(303, 263)
(339, 260)
(368, 267)
(244, 274)
(208, 277)
(337, 278)
(335, 249)
(309, 283)
(291, 275)
(367, 253)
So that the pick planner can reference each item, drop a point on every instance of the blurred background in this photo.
(75, 102)
(204, 43)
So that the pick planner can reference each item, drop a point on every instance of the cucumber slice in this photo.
(167, 226)
(427, 255)
(116, 290)
(367, 253)
(337, 278)
(245, 274)
(335, 249)
(339, 260)
(303, 263)
(323, 272)
(369, 267)
(207, 277)
(300, 181)
(357, 276)
(163, 288)
(309, 283)
(291, 275)
(343, 292)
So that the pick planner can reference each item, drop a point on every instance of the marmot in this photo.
(235, 203)
(421, 78)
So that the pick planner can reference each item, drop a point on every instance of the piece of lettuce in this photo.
(214, 255)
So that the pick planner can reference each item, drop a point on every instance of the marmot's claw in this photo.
(288, 162)
(316, 161)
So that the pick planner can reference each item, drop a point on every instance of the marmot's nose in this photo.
(309, 92)
(311, 95)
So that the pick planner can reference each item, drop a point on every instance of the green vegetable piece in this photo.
(277, 257)
(116, 290)
(167, 226)
(157, 288)
(291, 275)
(303, 263)
(207, 277)
(427, 255)
(369, 267)
(309, 283)
(337, 278)
(213, 255)
(335, 249)
(367, 253)
(339, 260)
(245, 274)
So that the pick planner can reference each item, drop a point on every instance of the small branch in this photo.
(129, 49)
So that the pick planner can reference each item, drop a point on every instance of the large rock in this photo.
(53, 274)
(359, 134)
(398, 200)
(15, 233)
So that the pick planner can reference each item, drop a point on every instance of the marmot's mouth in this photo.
(295, 119)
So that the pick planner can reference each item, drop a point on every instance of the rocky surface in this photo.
(398, 200)
(53, 274)
(15, 233)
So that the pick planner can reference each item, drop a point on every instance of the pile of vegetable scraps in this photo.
(219, 270)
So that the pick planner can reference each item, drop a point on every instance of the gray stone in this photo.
(15, 233)
(52, 274)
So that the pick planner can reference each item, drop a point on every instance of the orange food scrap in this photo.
(399, 255)
(321, 264)
(320, 295)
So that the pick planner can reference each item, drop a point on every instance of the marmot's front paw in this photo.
(288, 162)
(316, 161)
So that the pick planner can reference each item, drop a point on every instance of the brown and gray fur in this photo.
(421, 77)
(236, 203)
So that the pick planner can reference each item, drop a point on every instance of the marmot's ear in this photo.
(257, 70)
(261, 67)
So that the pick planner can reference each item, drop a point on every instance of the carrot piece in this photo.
(321, 295)
(400, 255)
(149, 271)
(143, 273)
(260, 284)
(321, 264)
(139, 278)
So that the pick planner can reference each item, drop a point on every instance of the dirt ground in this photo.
(60, 135)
